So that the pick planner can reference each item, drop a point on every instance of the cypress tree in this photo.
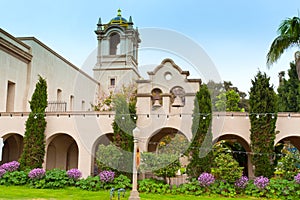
(200, 149)
(34, 139)
(263, 109)
(124, 122)
(289, 92)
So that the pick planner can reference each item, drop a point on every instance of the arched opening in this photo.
(177, 97)
(105, 139)
(114, 42)
(294, 140)
(287, 157)
(13, 147)
(240, 151)
(170, 136)
(156, 98)
(62, 152)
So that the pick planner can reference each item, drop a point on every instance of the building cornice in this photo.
(14, 50)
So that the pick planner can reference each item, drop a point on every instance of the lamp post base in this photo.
(134, 195)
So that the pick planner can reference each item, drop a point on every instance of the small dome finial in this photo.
(119, 12)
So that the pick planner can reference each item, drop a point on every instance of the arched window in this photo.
(114, 42)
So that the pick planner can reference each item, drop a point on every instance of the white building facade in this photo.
(164, 101)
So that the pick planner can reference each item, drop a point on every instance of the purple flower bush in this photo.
(10, 166)
(241, 182)
(107, 176)
(297, 178)
(261, 182)
(74, 174)
(206, 179)
(36, 173)
(2, 172)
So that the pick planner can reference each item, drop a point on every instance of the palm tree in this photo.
(289, 36)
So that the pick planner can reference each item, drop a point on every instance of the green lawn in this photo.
(24, 193)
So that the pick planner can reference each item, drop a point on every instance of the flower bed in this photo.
(206, 184)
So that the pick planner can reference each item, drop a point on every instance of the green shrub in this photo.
(55, 178)
(191, 188)
(121, 181)
(226, 168)
(90, 183)
(154, 186)
(223, 188)
(14, 178)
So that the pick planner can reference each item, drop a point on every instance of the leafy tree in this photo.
(215, 89)
(221, 102)
(200, 150)
(219, 92)
(289, 92)
(289, 36)
(118, 155)
(124, 105)
(34, 139)
(111, 157)
(225, 167)
(176, 144)
(263, 106)
(163, 165)
(124, 123)
(228, 101)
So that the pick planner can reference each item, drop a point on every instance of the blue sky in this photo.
(236, 34)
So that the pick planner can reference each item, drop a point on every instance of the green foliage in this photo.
(124, 104)
(153, 186)
(288, 166)
(90, 183)
(289, 92)
(226, 168)
(34, 140)
(215, 90)
(122, 181)
(54, 179)
(223, 188)
(14, 178)
(263, 99)
(111, 157)
(173, 144)
(228, 101)
(224, 96)
(289, 36)
(191, 188)
(200, 151)
(163, 165)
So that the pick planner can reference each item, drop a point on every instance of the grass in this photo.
(25, 193)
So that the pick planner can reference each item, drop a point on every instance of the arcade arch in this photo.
(62, 152)
(13, 147)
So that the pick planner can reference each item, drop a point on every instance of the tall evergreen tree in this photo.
(263, 106)
(124, 122)
(289, 92)
(200, 150)
(34, 139)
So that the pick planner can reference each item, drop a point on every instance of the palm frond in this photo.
(289, 36)
(279, 45)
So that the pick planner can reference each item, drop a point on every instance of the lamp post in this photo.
(134, 194)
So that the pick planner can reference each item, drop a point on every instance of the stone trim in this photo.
(15, 51)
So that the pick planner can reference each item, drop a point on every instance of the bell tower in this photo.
(117, 53)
